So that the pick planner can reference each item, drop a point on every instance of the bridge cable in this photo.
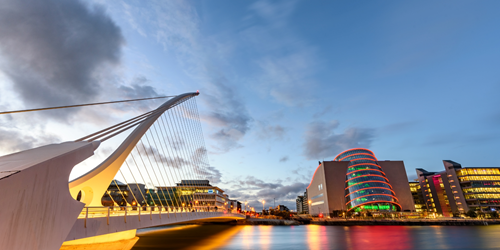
(133, 195)
(207, 160)
(189, 148)
(178, 164)
(196, 144)
(140, 173)
(183, 147)
(82, 105)
(143, 179)
(162, 162)
(147, 172)
(119, 125)
(136, 183)
(182, 159)
(169, 162)
(152, 167)
(194, 154)
(201, 137)
(121, 192)
(173, 160)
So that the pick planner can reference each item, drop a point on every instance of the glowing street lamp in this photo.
(263, 202)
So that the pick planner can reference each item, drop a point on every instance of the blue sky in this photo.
(285, 84)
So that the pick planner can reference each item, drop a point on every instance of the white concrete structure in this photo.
(94, 183)
(39, 211)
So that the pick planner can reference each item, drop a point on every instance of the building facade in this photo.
(305, 204)
(299, 204)
(457, 190)
(418, 198)
(193, 194)
(121, 194)
(356, 181)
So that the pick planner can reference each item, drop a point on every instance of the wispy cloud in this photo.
(284, 159)
(176, 26)
(286, 63)
(270, 132)
(321, 141)
(255, 190)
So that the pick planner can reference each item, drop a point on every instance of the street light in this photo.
(263, 202)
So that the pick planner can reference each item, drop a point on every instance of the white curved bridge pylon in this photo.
(94, 184)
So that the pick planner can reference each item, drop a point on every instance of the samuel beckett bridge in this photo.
(165, 150)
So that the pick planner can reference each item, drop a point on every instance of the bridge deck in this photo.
(107, 221)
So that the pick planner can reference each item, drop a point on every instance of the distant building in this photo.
(356, 181)
(116, 195)
(458, 190)
(299, 204)
(195, 194)
(121, 194)
(305, 203)
(418, 198)
(282, 208)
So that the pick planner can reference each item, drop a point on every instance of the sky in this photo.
(284, 84)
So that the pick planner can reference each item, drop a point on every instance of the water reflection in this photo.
(186, 237)
(316, 237)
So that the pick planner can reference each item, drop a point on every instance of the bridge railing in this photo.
(124, 211)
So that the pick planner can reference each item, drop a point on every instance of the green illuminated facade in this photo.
(366, 185)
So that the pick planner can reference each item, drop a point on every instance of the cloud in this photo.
(228, 115)
(57, 52)
(284, 159)
(323, 112)
(268, 132)
(285, 63)
(14, 140)
(176, 26)
(287, 77)
(154, 155)
(322, 142)
(254, 190)
(210, 173)
(276, 12)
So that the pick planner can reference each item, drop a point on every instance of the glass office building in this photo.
(458, 190)
(366, 185)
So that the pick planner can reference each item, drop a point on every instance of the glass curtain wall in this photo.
(367, 187)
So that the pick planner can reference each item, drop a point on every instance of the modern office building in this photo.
(282, 208)
(121, 194)
(458, 190)
(299, 204)
(357, 181)
(190, 194)
(418, 198)
(305, 203)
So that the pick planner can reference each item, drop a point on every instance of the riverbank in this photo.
(274, 222)
(412, 222)
(357, 222)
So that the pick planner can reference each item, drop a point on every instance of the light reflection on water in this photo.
(316, 237)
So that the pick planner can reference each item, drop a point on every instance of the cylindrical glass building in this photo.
(366, 187)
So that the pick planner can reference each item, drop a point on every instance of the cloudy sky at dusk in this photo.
(284, 84)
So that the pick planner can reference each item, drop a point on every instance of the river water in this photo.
(319, 237)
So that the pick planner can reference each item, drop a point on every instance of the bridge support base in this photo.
(117, 241)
